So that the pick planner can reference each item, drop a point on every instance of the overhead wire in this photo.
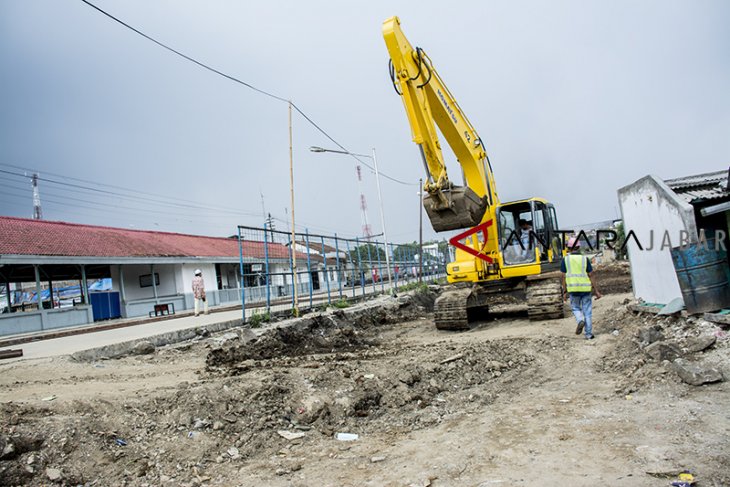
(241, 82)
(157, 196)
(83, 210)
(347, 151)
(125, 218)
(84, 188)
(108, 208)
(185, 56)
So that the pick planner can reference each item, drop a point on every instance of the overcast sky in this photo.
(573, 100)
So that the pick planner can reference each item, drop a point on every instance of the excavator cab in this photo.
(528, 232)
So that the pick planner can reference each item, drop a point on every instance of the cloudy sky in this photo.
(573, 100)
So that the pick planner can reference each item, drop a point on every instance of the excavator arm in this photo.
(430, 104)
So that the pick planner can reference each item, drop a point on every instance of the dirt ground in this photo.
(510, 402)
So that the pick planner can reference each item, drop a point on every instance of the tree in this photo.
(360, 254)
(405, 252)
(618, 245)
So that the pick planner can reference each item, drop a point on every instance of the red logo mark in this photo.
(479, 228)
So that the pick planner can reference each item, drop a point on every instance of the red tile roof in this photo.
(22, 236)
(316, 246)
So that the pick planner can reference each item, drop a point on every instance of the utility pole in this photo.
(293, 227)
(270, 226)
(420, 230)
(37, 211)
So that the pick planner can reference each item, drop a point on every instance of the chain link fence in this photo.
(281, 272)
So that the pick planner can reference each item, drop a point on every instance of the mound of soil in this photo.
(340, 331)
(613, 277)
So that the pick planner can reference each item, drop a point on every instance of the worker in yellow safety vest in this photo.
(578, 285)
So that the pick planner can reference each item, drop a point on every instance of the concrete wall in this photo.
(142, 307)
(186, 272)
(649, 208)
(34, 321)
(168, 286)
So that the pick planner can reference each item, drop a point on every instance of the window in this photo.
(254, 275)
(557, 242)
(540, 228)
(514, 239)
(145, 280)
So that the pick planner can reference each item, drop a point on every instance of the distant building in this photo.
(145, 267)
(327, 259)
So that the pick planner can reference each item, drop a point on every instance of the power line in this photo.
(106, 206)
(130, 190)
(110, 207)
(123, 218)
(129, 197)
(94, 206)
(241, 82)
(344, 149)
(185, 56)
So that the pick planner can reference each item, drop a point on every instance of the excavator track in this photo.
(545, 298)
(450, 309)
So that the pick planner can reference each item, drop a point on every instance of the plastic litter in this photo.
(684, 479)
(120, 442)
(347, 436)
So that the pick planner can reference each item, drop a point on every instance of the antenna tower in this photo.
(367, 232)
(37, 211)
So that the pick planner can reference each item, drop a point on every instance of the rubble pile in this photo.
(337, 330)
(666, 348)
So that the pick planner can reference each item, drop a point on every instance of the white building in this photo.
(148, 269)
(664, 214)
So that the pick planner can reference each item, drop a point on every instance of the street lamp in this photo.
(420, 230)
(380, 197)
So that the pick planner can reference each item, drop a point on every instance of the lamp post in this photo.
(380, 196)
(420, 230)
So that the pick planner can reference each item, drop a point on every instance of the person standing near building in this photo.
(578, 285)
(199, 292)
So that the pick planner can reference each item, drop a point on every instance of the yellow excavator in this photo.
(511, 252)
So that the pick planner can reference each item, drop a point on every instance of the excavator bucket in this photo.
(465, 209)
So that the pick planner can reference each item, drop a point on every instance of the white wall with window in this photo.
(138, 280)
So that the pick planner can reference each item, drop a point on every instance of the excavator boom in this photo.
(429, 104)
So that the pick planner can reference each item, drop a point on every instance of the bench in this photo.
(163, 309)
